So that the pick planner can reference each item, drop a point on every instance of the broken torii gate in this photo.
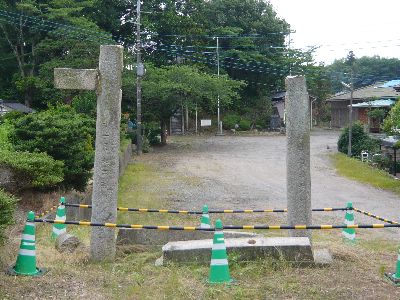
(106, 81)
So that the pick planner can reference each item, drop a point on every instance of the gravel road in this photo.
(250, 172)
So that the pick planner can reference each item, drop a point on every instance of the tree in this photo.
(167, 89)
(252, 46)
(360, 141)
(391, 125)
(43, 34)
(319, 86)
(369, 71)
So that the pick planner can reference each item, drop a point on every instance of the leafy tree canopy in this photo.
(167, 89)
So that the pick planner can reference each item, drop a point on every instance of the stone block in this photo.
(160, 237)
(322, 257)
(125, 158)
(73, 79)
(67, 243)
(291, 249)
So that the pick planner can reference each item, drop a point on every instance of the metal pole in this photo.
(350, 115)
(219, 127)
(290, 64)
(196, 118)
(182, 120)
(139, 74)
(310, 114)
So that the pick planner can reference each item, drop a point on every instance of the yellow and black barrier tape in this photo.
(46, 212)
(236, 227)
(374, 216)
(221, 211)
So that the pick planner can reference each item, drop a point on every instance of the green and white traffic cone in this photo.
(349, 234)
(26, 260)
(395, 277)
(219, 268)
(205, 218)
(59, 229)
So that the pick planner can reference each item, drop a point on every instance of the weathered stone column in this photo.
(297, 105)
(106, 162)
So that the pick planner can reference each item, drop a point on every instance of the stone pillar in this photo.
(297, 105)
(106, 164)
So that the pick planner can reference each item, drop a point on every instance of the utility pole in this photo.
(196, 118)
(350, 60)
(290, 64)
(350, 113)
(351, 88)
(219, 131)
(139, 74)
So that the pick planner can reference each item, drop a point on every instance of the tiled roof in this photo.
(391, 83)
(376, 103)
(19, 107)
(378, 90)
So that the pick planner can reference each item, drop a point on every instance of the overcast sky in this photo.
(367, 27)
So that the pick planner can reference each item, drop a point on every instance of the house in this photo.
(362, 102)
(365, 109)
(278, 109)
(6, 107)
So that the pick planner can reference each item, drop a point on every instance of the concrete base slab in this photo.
(322, 257)
(160, 237)
(292, 249)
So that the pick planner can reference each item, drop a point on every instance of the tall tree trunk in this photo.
(163, 132)
(187, 116)
(182, 119)
(28, 97)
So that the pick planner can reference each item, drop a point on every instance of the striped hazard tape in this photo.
(220, 211)
(374, 216)
(46, 212)
(192, 228)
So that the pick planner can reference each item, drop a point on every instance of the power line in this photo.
(48, 23)
(213, 36)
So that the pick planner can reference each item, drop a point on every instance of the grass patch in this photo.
(362, 172)
(142, 186)
(357, 272)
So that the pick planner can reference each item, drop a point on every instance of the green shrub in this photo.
(85, 103)
(132, 133)
(392, 122)
(230, 120)
(359, 140)
(63, 134)
(145, 145)
(5, 130)
(7, 207)
(39, 169)
(244, 124)
(381, 162)
(153, 133)
(377, 113)
(11, 116)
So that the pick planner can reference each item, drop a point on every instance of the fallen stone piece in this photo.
(291, 249)
(67, 243)
(161, 237)
(322, 257)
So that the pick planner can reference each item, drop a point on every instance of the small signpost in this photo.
(205, 123)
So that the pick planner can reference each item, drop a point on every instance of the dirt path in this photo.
(250, 172)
